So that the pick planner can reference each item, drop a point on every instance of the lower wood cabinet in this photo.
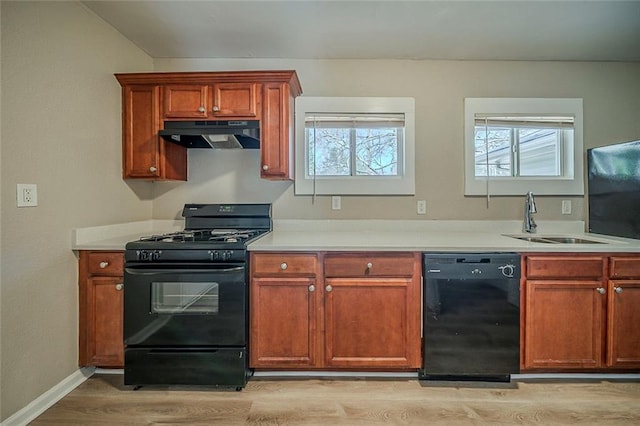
(623, 308)
(335, 310)
(101, 309)
(580, 313)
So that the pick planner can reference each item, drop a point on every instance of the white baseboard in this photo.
(50, 397)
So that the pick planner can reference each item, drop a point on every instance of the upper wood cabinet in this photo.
(144, 154)
(219, 101)
(149, 99)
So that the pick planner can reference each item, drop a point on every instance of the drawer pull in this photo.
(369, 265)
(104, 265)
(618, 289)
(284, 266)
(119, 287)
(601, 290)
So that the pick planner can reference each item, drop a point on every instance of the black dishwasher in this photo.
(471, 316)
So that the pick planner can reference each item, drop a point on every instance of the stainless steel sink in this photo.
(555, 240)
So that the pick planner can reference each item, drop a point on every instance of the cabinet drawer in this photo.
(106, 263)
(284, 264)
(625, 267)
(372, 265)
(564, 266)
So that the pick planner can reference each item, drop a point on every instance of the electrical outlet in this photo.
(421, 207)
(27, 194)
(336, 202)
(566, 206)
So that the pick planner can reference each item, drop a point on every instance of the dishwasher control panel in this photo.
(472, 265)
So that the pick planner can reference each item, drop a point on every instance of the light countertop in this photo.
(116, 236)
(448, 236)
(377, 235)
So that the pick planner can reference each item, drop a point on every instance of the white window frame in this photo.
(572, 180)
(402, 184)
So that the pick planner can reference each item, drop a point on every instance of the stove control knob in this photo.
(156, 254)
(226, 255)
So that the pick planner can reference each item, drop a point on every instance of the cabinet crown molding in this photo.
(283, 76)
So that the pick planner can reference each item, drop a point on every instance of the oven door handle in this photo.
(181, 268)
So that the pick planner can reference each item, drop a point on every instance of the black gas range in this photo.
(212, 233)
(186, 298)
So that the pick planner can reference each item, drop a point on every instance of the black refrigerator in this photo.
(614, 189)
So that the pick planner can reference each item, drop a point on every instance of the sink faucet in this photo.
(529, 224)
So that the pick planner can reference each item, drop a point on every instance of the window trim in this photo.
(402, 184)
(571, 184)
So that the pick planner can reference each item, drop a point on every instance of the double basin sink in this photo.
(554, 239)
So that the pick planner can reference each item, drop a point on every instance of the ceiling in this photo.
(575, 30)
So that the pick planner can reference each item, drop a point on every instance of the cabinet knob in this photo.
(328, 288)
(104, 265)
(119, 287)
(216, 108)
(369, 265)
(265, 167)
(284, 266)
(618, 289)
(153, 169)
(601, 290)
(201, 109)
(312, 288)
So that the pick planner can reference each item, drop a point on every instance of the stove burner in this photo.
(216, 235)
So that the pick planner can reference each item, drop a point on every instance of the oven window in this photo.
(184, 297)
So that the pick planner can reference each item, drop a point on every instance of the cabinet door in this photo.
(372, 322)
(141, 145)
(283, 322)
(276, 132)
(185, 101)
(144, 154)
(236, 100)
(104, 346)
(623, 320)
(564, 324)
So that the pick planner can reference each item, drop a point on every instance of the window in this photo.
(517, 145)
(357, 146)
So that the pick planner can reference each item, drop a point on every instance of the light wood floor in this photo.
(103, 400)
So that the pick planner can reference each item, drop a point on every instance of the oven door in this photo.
(181, 305)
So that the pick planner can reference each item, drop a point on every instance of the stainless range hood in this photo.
(221, 134)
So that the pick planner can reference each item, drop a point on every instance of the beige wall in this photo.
(611, 93)
(60, 130)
